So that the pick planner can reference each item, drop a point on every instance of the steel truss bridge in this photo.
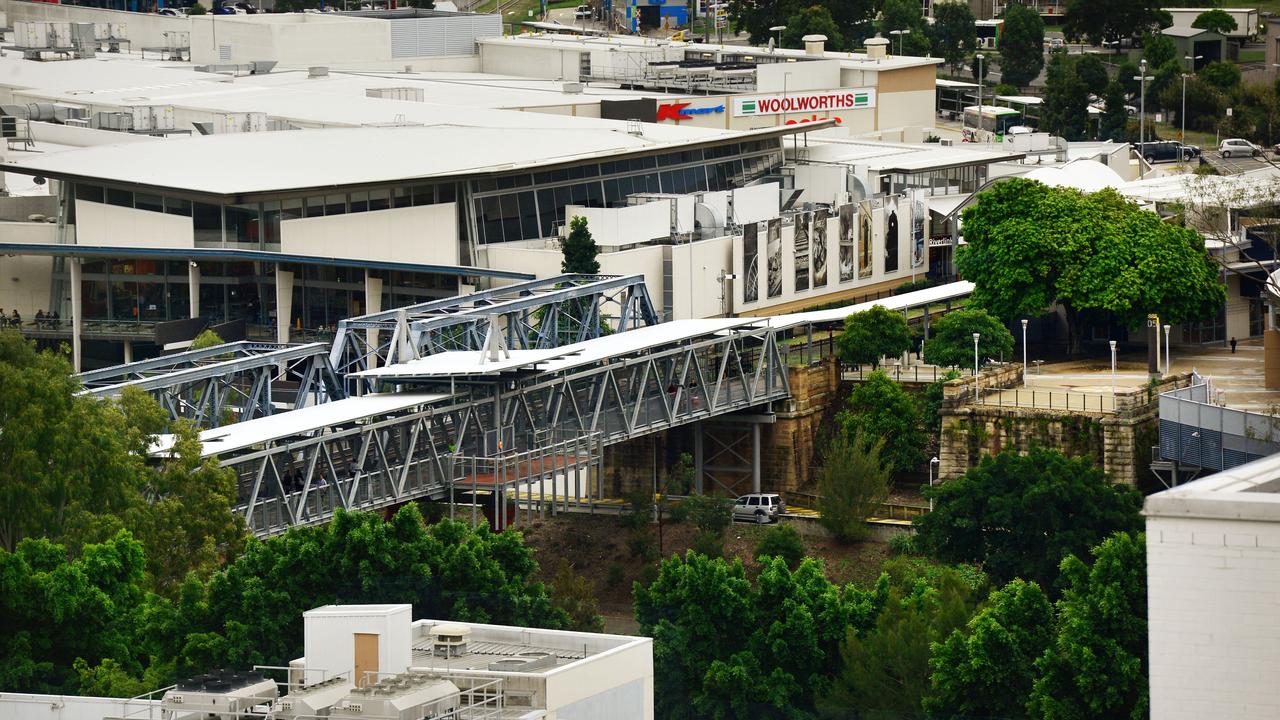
(233, 382)
(512, 416)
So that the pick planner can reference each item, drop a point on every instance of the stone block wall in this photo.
(789, 446)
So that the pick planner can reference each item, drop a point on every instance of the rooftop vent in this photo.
(449, 639)
(572, 88)
(814, 44)
(318, 71)
(877, 48)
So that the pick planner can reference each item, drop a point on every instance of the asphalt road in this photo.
(1234, 164)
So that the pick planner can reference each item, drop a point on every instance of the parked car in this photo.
(760, 507)
(1166, 151)
(172, 12)
(1238, 147)
(1056, 43)
(582, 11)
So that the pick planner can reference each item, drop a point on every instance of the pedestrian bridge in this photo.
(498, 424)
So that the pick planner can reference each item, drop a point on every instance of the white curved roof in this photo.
(1084, 175)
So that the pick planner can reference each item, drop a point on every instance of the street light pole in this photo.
(933, 463)
(1024, 352)
(978, 130)
(1113, 374)
(899, 33)
(777, 34)
(977, 382)
(1168, 329)
(1142, 115)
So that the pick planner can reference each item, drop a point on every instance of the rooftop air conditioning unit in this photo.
(449, 639)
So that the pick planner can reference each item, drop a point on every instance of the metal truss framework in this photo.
(507, 434)
(533, 315)
(239, 381)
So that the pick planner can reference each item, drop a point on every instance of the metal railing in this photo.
(905, 373)
(1194, 431)
(1047, 400)
(885, 510)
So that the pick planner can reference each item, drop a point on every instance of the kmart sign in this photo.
(828, 101)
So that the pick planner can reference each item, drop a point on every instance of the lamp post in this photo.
(777, 34)
(977, 383)
(1182, 116)
(978, 130)
(899, 33)
(933, 463)
(1113, 374)
(1168, 330)
(1024, 352)
(1142, 114)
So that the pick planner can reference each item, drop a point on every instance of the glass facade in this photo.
(947, 181)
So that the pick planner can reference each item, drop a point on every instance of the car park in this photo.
(759, 507)
(1166, 151)
(1238, 147)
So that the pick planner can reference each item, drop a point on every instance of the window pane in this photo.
(315, 206)
(92, 193)
(143, 201)
(528, 216)
(335, 204)
(123, 198)
(446, 193)
(177, 206)
(424, 194)
(243, 224)
(402, 197)
(379, 199)
(359, 201)
(207, 220)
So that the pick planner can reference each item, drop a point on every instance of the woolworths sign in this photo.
(828, 101)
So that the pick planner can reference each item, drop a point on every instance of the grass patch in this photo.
(1253, 56)
(1206, 141)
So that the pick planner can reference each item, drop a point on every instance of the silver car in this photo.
(760, 507)
(1238, 147)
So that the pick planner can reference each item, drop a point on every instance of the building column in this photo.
(755, 457)
(284, 303)
(77, 324)
(372, 304)
(193, 290)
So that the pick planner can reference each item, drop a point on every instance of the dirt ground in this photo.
(595, 545)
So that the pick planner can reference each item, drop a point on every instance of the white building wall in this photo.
(625, 225)
(619, 670)
(329, 637)
(1212, 589)
(294, 40)
(533, 61)
(424, 234)
(142, 28)
(25, 280)
(903, 109)
(28, 706)
(114, 226)
(696, 269)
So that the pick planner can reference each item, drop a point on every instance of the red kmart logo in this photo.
(682, 111)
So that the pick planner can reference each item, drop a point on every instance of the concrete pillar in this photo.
(1271, 358)
(193, 289)
(284, 304)
(128, 351)
(755, 457)
(372, 304)
(77, 323)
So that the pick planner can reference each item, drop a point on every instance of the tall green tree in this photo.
(987, 668)
(1021, 45)
(852, 483)
(579, 249)
(1115, 116)
(726, 648)
(885, 669)
(1093, 73)
(1113, 20)
(872, 334)
(1158, 49)
(1066, 99)
(950, 343)
(1018, 515)
(1215, 20)
(813, 20)
(755, 17)
(67, 458)
(1030, 246)
(906, 16)
(1222, 75)
(878, 407)
(1096, 666)
(955, 33)
(1205, 104)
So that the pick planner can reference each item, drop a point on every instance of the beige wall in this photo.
(425, 234)
(532, 61)
(25, 279)
(600, 673)
(142, 28)
(109, 225)
(695, 277)
(302, 40)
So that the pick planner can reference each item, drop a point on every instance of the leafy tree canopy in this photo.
(579, 249)
(1112, 20)
(1093, 73)
(1215, 20)
(879, 408)
(724, 647)
(1019, 515)
(1031, 246)
(1220, 74)
(986, 669)
(1021, 45)
(950, 342)
(1115, 116)
(852, 17)
(1096, 666)
(852, 483)
(872, 334)
(904, 15)
(955, 33)
(1158, 49)
(1066, 99)
(813, 20)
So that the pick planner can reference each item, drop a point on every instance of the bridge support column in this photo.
(193, 289)
(128, 351)
(77, 321)
(755, 457)
(372, 304)
(284, 304)
(698, 458)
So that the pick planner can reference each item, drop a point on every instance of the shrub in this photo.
(707, 513)
(781, 541)
(709, 544)
(615, 576)
(903, 545)
(641, 546)
(851, 485)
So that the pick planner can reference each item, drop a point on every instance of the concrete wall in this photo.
(329, 637)
(44, 132)
(626, 225)
(102, 224)
(1213, 629)
(549, 63)
(25, 280)
(424, 234)
(605, 685)
(696, 269)
(295, 39)
(144, 29)
(28, 706)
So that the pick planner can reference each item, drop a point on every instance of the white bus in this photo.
(996, 120)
